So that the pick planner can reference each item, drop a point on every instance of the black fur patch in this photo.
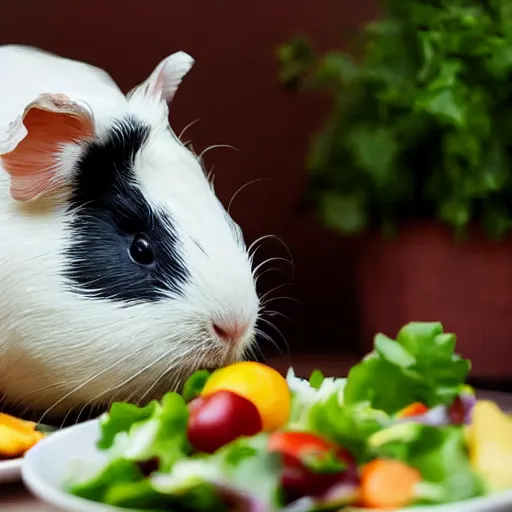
(107, 211)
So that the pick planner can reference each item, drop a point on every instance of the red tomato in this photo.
(219, 418)
(298, 478)
(265, 387)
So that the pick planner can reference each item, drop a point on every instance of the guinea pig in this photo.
(121, 272)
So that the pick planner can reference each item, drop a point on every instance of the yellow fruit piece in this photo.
(489, 440)
(265, 387)
(14, 443)
(17, 423)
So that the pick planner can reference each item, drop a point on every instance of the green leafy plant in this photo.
(421, 119)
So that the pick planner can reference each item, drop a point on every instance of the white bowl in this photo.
(48, 465)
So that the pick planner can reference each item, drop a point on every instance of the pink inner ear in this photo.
(156, 83)
(33, 164)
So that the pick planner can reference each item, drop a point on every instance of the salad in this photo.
(402, 429)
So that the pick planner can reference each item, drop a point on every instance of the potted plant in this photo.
(416, 158)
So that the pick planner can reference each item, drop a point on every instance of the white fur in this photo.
(26, 73)
(59, 349)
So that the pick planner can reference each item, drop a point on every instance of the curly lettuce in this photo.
(419, 366)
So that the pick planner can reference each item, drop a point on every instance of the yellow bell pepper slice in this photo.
(489, 439)
(14, 443)
(17, 423)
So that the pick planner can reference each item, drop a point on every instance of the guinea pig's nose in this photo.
(230, 331)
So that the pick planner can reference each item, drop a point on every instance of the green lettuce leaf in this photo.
(243, 467)
(194, 385)
(120, 418)
(316, 379)
(438, 453)
(419, 366)
(170, 442)
(131, 435)
(318, 407)
(116, 472)
(349, 426)
(142, 496)
(305, 393)
(163, 435)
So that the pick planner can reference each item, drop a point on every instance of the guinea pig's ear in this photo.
(166, 77)
(32, 154)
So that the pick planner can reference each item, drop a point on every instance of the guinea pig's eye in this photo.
(141, 251)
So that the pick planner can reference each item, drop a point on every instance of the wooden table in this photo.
(15, 498)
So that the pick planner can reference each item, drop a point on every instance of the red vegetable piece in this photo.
(149, 466)
(415, 409)
(299, 478)
(302, 445)
(219, 418)
(456, 412)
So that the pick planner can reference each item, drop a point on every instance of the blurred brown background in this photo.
(234, 91)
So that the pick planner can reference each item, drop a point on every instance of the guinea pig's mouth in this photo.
(211, 366)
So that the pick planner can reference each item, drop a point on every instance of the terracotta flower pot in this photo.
(426, 275)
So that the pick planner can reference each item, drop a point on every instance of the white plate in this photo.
(46, 467)
(10, 470)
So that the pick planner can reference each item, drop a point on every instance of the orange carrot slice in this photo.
(388, 484)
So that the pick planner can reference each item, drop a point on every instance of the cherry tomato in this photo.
(220, 418)
(300, 451)
(263, 386)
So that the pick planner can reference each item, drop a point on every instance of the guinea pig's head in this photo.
(153, 278)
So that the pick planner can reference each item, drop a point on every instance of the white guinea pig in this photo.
(120, 270)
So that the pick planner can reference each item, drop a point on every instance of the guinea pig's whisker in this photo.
(90, 379)
(249, 354)
(155, 383)
(280, 240)
(215, 146)
(70, 411)
(254, 349)
(251, 254)
(260, 240)
(271, 312)
(189, 125)
(251, 257)
(266, 336)
(211, 179)
(268, 270)
(200, 362)
(283, 243)
(210, 174)
(128, 380)
(32, 393)
(272, 326)
(266, 294)
(274, 299)
(37, 391)
(175, 383)
(275, 258)
(94, 411)
(243, 187)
